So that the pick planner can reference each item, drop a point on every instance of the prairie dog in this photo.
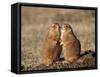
(70, 44)
(51, 48)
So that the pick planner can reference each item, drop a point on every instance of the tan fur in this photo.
(51, 48)
(70, 44)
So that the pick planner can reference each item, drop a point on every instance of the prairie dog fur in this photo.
(51, 49)
(70, 44)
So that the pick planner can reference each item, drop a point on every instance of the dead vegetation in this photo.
(88, 60)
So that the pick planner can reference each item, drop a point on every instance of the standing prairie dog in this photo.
(70, 44)
(51, 47)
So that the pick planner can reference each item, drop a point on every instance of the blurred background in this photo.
(35, 22)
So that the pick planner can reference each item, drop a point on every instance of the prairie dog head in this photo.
(66, 28)
(65, 31)
(54, 31)
(54, 27)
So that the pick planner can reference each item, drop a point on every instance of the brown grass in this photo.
(35, 24)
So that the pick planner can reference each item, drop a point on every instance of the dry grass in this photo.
(87, 60)
(35, 24)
